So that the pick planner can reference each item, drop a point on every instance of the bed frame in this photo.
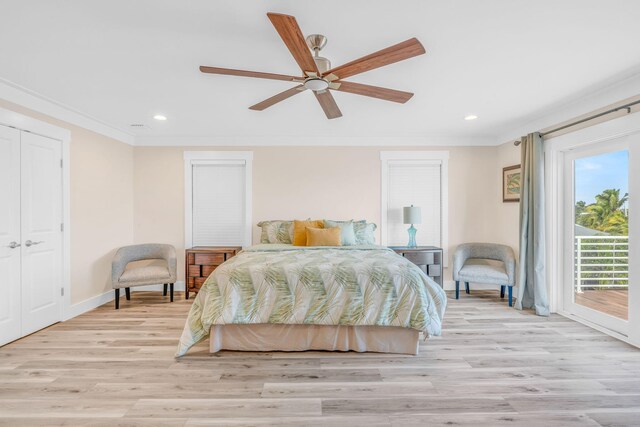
(276, 337)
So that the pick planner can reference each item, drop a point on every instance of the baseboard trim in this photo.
(94, 302)
(89, 304)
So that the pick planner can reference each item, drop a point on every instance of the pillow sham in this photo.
(347, 232)
(276, 231)
(323, 236)
(299, 233)
(365, 233)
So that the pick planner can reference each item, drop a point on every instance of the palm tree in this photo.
(606, 214)
(610, 200)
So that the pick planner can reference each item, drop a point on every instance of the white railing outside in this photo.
(601, 262)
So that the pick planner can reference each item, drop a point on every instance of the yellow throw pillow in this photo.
(299, 230)
(324, 236)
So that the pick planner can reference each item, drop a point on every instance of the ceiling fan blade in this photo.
(243, 73)
(292, 36)
(375, 92)
(328, 104)
(277, 98)
(399, 52)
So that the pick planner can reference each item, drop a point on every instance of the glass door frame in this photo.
(625, 128)
(605, 320)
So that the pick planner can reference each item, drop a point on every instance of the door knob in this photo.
(30, 243)
(13, 245)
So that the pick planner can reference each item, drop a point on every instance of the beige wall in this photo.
(122, 195)
(507, 214)
(101, 209)
(101, 198)
(318, 182)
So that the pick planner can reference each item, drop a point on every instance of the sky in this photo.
(597, 173)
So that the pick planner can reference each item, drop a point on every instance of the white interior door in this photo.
(41, 218)
(9, 234)
(597, 234)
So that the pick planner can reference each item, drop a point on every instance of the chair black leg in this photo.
(510, 296)
(457, 289)
(466, 287)
(171, 291)
(164, 290)
(117, 298)
(127, 292)
(502, 291)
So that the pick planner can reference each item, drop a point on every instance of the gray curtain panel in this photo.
(532, 286)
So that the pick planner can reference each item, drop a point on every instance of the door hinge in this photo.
(61, 292)
(60, 162)
(61, 226)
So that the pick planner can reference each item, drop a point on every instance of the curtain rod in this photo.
(586, 119)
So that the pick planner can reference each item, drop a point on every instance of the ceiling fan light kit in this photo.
(318, 76)
(316, 83)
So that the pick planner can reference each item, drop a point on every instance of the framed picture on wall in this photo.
(511, 183)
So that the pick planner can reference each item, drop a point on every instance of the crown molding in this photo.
(587, 101)
(312, 141)
(24, 97)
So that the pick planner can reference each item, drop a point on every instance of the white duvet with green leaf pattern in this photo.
(353, 285)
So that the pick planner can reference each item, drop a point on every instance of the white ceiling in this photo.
(123, 61)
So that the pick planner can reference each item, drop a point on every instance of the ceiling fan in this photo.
(318, 76)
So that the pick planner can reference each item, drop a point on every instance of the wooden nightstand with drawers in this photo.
(428, 258)
(200, 261)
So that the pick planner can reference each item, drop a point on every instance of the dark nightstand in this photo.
(428, 258)
(200, 261)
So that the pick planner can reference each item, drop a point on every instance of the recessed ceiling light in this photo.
(470, 117)
(160, 117)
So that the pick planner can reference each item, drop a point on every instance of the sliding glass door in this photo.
(596, 234)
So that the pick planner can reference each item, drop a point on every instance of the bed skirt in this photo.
(276, 337)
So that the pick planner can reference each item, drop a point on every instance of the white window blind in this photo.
(417, 183)
(218, 203)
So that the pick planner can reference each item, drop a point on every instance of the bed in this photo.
(279, 297)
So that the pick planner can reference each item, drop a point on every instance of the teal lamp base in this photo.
(412, 237)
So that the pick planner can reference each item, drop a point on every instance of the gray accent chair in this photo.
(121, 277)
(470, 265)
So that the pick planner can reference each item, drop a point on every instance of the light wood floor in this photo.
(613, 302)
(493, 366)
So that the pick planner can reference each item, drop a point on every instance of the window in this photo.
(416, 178)
(218, 198)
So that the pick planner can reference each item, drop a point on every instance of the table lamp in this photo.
(412, 215)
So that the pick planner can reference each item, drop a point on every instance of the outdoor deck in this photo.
(613, 302)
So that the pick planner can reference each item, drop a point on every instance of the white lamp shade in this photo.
(412, 215)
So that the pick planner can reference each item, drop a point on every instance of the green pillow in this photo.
(347, 232)
(277, 231)
(365, 233)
